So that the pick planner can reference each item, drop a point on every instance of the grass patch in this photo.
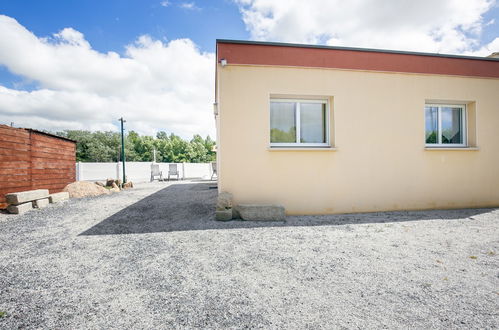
(3, 314)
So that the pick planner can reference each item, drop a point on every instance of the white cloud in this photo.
(444, 26)
(189, 6)
(155, 85)
(165, 3)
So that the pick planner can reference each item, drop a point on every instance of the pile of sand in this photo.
(80, 189)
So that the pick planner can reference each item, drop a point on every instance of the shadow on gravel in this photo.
(182, 207)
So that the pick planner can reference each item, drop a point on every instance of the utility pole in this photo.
(123, 147)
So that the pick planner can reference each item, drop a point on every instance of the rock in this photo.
(20, 208)
(26, 196)
(223, 215)
(264, 212)
(40, 203)
(99, 183)
(224, 201)
(109, 182)
(115, 188)
(118, 183)
(84, 189)
(58, 197)
(235, 213)
(128, 185)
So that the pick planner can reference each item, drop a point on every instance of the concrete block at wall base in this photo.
(261, 212)
(224, 200)
(223, 215)
(58, 197)
(41, 203)
(26, 196)
(235, 213)
(20, 208)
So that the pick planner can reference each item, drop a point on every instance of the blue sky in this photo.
(109, 25)
(67, 64)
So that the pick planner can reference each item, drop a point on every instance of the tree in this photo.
(106, 147)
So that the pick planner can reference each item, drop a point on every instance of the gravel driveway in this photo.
(153, 257)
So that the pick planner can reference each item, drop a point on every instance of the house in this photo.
(324, 130)
(31, 159)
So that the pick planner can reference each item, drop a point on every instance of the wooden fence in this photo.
(31, 159)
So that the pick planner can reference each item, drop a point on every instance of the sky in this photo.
(67, 64)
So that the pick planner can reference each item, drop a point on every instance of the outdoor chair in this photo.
(155, 172)
(172, 171)
(214, 170)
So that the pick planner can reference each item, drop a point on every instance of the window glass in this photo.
(431, 119)
(451, 125)
(282, 122)
(312, 123)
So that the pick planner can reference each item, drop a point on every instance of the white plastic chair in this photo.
(156, 172)
(173, 170)
(214, 170)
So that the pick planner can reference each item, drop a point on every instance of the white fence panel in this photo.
(139, 171)
(96, 171)
(198, 170)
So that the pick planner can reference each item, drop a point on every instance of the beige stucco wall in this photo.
(377, 125)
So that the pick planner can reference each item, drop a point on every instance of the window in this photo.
(299, 123)
(445, 125)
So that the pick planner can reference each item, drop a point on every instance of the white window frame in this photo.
(298, 123)
(464, 126)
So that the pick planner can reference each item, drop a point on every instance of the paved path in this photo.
(153, 257)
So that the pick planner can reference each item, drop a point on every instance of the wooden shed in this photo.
(31, 159)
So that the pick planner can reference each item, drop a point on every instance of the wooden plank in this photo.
(14, 171)
(14, 158)
(53, 149)
(50, 140)
(15, 184)
(9, 152)
(14, 139)
(6, 130)
(15, 164)
(39, 164)
(14, 178)
(53, 171)
(14, 146)
(51, 156)
(67, 176)
(52, 181)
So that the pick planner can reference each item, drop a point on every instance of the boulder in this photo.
(99, 183)
(115, 188)
(80, 189)
(26, 196)
(223, 215)
(40, 203)
(263, 212)
(224, 201)
(109, 182)
(58, 197)
(128, 185)
(20, 208)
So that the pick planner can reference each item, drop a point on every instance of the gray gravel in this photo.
(153, 257)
